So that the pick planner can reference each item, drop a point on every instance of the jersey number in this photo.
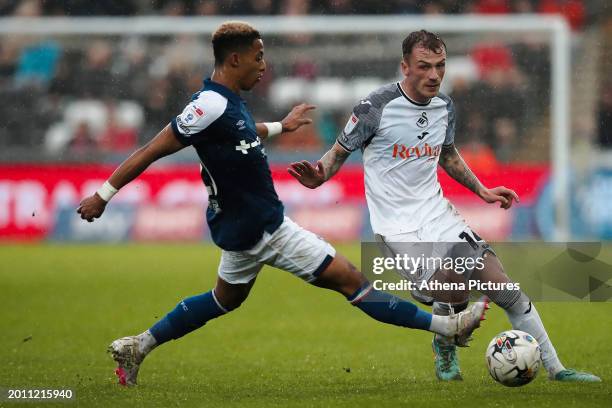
(470, 240)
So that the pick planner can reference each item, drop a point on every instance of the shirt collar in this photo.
(210, 85)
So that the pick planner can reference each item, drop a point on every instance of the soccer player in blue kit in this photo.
(245, 216)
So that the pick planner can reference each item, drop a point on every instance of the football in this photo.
(513, 358)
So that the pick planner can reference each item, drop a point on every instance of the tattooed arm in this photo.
(313, 176)
(452, 162)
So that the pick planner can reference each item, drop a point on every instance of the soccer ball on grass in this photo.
(513, 358)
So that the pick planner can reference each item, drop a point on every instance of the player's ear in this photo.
(405, 67)
(234, 59)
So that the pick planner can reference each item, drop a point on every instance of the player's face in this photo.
(424, 72)
(253, 65)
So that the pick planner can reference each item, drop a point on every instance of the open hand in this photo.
(500, 194)
(307, 174)
(296, 118)
(91, 207)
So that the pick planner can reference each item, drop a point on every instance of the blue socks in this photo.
(189, 315)
(193, 313)
(390, 309)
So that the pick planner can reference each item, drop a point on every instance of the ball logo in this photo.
(422, 121)
(508, 351)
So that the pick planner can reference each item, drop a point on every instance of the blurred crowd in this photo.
(108, 95)
(577, 11)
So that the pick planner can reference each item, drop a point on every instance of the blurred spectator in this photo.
(304, 68)
(341, 7)
(37, 64)
(455, 6)
(7, 7)
(207, 8)
(8, 61)
(82, 141)
(302, 140)
(90, 8)
(295, 7)
(523, 6)
(433, 7)
(117, 138)
(469, 113)
(264, 7)
(533, 57)
(492, 6)
(505, 134)
(95, 78)
(604, 134)
(28, 8)
(133, 69)
(478, 155)
(492, 57)
(407, 6)
(572, 10)
(64, 84)
(157, 107)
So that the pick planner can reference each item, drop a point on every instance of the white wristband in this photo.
(106, 192)
(274, 128)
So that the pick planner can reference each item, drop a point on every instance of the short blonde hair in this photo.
(232, 36)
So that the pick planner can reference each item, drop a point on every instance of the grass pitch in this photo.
(290, 344)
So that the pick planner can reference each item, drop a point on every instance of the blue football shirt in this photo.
(242, 200)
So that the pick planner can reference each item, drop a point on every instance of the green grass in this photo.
(290, 344)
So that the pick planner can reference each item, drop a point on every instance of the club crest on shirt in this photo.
(422, 121)
(350, 125)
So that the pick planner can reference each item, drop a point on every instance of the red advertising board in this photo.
(31, 194)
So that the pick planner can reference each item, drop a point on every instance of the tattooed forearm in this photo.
(333, 160)
(453, 164)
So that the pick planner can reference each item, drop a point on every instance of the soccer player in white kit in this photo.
(405, 130)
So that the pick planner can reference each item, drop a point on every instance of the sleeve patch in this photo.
(350, 125)
(199, 114)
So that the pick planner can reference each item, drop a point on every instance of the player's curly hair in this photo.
(232, 36)
(422, 38)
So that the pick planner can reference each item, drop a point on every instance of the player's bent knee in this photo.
(231, 296)
(341, 276)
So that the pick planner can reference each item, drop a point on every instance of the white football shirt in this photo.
(401, 142)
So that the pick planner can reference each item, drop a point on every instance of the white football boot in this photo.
(126, 352)
(469, 320)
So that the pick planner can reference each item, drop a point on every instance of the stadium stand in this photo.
(104, 97)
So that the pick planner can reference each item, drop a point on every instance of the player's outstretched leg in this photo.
(523, 315)
(343, 277)
(189, 315)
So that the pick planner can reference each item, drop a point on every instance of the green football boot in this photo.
(446, 361)
(571, 375)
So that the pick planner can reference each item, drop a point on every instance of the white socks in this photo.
(146, 342)
(442, 325)
(525, 317)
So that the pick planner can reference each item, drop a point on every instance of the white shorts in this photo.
(290, 248)
(447, 227)
(447, 235)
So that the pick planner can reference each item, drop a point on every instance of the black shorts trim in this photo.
(328, 259)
